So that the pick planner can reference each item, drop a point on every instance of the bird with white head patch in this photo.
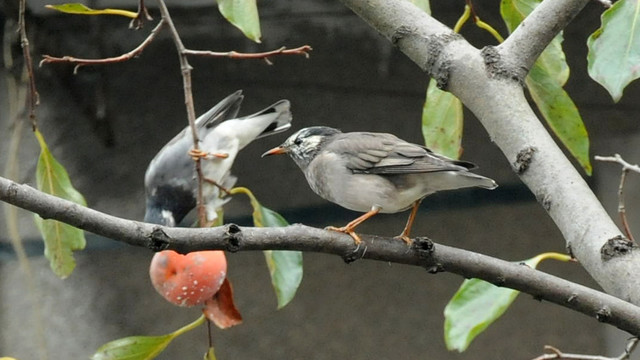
(374, 172)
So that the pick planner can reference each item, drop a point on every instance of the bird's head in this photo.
(304, 145)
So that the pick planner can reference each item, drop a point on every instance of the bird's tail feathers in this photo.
(479, 180)
(278, 115)
(227, 108)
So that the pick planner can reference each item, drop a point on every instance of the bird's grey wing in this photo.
(374, 153)
(171, 163)
(226, 109)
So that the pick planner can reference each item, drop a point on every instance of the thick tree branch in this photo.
(433, 257)
(542, 25)
(487, 84)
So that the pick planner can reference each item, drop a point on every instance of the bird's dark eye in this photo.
(297, 141)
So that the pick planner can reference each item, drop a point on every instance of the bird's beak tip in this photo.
(275, 151)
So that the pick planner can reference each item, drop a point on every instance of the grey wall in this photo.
(354, 80)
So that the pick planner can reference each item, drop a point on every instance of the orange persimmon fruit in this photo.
(188, 280)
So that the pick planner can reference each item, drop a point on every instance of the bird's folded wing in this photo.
(386, 154)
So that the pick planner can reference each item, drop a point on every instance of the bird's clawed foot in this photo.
(347, 230)
(407, 240)
(199, 154)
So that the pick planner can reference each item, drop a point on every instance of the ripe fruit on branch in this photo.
(188, 280)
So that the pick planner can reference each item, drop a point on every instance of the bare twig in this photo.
(555, 353)
(423, 252)
(626, 167)
(47, 59)
(188, 100)
(34, 98)
(17, 95)
(302, 50)
(616, 158)
(143, 14)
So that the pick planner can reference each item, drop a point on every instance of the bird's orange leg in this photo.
(199, 154)
(349, 228)
(407, 229)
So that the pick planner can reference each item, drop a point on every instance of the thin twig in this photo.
(143, 14)
(47, 59)
(188, 100)
(616, 158)
(17, 92)
(302, 50)
(34, 98)
(626, 167)
(555, 353)
(621, 208)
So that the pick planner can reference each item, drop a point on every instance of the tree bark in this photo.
(489, 83)
(433, 257)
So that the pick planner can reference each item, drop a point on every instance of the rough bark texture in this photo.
(423, 252)
(487, 87)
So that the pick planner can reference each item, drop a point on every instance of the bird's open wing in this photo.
(376, 153)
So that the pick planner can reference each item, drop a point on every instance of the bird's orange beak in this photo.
(276, 151)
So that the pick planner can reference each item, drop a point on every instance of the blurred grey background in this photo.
(106, 123)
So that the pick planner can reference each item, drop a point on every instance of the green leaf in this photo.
(141, 347)
(133, 348)
(514, 11)
(561, 114)
(60, 239)
(242, 14)
(285, 267)
(614, 49)
(422, 4)
(77, 8)
(442, 122)
(475, 306)
(552, 58)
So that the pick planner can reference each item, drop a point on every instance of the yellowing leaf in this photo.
(77, 8)
(442, 122)
(242, 14)
(614, 49)
(60, 239)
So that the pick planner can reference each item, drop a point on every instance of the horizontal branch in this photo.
(302, 50)
(434, 257)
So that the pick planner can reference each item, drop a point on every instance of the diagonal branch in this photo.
(434, 257)
(541, 26)
(487, 84)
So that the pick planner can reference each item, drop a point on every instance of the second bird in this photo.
(170, 181)
(374, 172)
